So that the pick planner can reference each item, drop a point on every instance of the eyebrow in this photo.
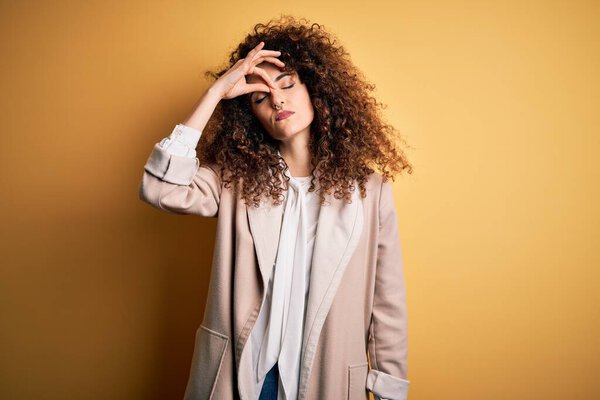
(281, 76)
(274, 80)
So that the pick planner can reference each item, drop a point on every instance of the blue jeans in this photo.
(269, 388)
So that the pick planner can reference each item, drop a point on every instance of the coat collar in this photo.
(339, 228)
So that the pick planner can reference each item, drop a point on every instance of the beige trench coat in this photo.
(356, 306)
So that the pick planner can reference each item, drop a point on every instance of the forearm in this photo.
(203, 109)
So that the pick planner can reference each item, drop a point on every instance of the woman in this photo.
(307, 281)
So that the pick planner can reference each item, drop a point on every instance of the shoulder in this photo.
(213, 168)
(381, 191)
(376, 184)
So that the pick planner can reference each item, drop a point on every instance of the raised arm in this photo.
(173, 179)
(388, 339)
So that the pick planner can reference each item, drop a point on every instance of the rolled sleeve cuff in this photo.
(171, 168)
(182, 141)
(186, 135)
(387, 387)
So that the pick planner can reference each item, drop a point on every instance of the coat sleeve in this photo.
(388, 335)
(179, 184)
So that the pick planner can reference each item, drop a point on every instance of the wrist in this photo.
(215, 92)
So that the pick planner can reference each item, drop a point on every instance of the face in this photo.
(295, 98)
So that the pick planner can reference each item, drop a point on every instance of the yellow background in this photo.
(100, 294)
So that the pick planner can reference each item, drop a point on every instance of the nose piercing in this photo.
(278, 106)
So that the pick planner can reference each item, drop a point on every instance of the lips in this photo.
(283, 115)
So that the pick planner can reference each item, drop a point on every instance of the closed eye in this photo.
(261, 99)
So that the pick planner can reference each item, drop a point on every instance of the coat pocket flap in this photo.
(209, 351)
(357, 381)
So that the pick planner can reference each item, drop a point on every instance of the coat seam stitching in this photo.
(373, 319)
(212, 392)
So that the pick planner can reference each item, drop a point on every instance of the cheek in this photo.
(306, 102)
(308, 107)
(260, 114)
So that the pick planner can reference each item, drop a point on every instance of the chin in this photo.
(283, 136)
(287, 133)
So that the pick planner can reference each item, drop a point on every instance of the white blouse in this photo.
(283, 312)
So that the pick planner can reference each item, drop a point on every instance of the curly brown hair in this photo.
(347, 135)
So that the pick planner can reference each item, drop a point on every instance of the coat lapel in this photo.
(265, 226)
(339, 228)
(338, 233)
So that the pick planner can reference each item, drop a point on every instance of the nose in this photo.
(276, 96)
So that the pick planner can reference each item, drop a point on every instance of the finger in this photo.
(250, 56)
(274, 60)
(265, 76)
(259, 46)
(263, 53)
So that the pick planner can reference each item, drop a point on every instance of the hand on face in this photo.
(233, 82)
(286, 110)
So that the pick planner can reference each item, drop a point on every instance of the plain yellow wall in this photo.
(100, 294)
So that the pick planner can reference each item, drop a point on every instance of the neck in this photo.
(296, 154)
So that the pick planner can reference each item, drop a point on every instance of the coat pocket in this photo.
(357, 381)
(209, 351)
